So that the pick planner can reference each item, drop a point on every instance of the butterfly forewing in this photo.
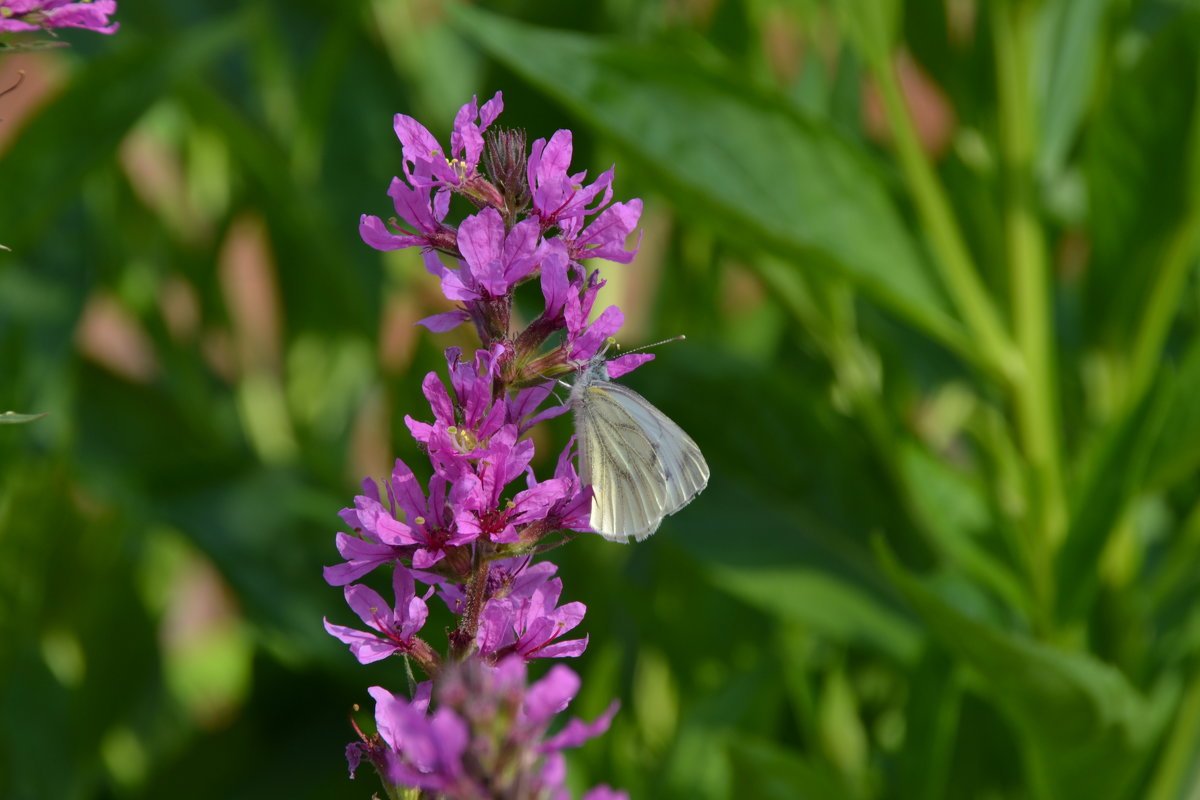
(620, 464)
(683, 469)
(640, 464)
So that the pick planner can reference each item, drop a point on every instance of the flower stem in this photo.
(1035, 393)
(951, 255)
(1162, 305)
(464, 638)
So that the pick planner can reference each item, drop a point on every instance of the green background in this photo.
(943, 365)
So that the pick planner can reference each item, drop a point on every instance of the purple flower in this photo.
(398, 625)
(478, 493)
(364, 551)
(572, 511)
(522, 408)
(414, 208)
(487, 737)
(530, 622)
(557, 196)
(425, 535)
(605, 236)
(463, 424)
(424, 751)
(494, 258)
(584, 339)
(32, 15)
(426, 163)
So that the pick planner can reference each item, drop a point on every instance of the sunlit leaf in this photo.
(734, 155)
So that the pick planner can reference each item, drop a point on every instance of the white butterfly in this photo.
(641, 465)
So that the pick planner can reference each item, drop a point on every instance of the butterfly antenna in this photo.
(678, 338)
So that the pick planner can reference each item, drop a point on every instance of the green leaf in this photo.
(931, 728)
(763, 769)
(1176, 451)
(12, 417)
(1085, 731)
(1112, 477)
(734, 155)
(954, 513)
(791, 539)
(111, 95)
(1067, 44)
(1133, 156)
(806, 595)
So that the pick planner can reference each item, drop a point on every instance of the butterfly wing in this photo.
(640, 464)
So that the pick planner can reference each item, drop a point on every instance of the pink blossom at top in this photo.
(426, 164)
(32, 15)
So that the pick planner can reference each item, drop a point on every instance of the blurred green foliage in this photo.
(935, 262)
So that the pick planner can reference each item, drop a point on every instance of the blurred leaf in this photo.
(931, 728)
(870, 24)
(1085, 731)
(763, 769)
(791, 539)
(954, 512)
(1068, 37)
(111, 94)
(247, 526)
(1112, 477)
(1176, 449)
(67, 595)
(806, 595)
(733, 154)
(1177, 774)
(12, 417)
(1133, 156)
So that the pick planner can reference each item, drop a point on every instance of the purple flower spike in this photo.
(473, 536)
(397, 625)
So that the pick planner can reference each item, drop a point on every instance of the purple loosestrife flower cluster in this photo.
(34, 15)
(475, 727)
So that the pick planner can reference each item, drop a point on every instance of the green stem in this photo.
(1035, 394)
(1174, 767)
(951, 256)
(1162, 306)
